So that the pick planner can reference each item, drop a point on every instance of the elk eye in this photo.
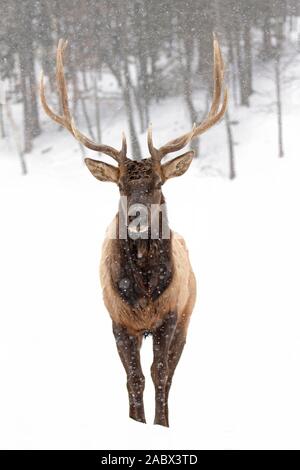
(158, 185)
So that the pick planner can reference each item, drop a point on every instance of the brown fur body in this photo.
(179, 296)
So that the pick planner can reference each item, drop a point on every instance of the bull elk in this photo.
(147, 280)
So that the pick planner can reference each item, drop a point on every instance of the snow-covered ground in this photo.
(238, 383)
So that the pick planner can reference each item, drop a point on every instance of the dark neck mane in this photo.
(143, 270)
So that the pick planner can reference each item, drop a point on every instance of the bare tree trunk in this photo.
(187, 85)
(141, 91)
(233, 74)
(145, 88)
(2, 128)
(279, 107)
(26, 111)
(139, 105)
(34, 114)
(151, 60)
(86, 116)
(17, 139)
(75, 90)
(126, 85)
(25, 50)
(97, 109)
(248, 58)
(123, 79)
(129, 111)
(242, 81)
(267, 36)
(232, 172)
(84, 80)
(153, 87)
(278, 51)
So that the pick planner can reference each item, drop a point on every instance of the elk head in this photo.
(139, 181)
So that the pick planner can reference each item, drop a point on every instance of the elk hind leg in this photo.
(162, 338)
(174, 354)
(128, 346)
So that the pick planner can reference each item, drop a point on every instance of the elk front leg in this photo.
(129, 351)
(162, 338)
(175, 351)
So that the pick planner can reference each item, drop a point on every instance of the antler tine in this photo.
(214, 115)
(47, 109)
(118, 155)
(123, 151)
(173, 146)
(218, 78)
(90, 144)
(66, 119)
(61, 82)
(153, 151)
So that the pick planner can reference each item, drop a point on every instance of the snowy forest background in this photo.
(131, 62)
(152, 51)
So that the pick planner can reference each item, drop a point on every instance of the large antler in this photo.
(215, 113)
(66, 119)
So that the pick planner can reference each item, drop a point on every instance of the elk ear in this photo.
(178, 166)
(102, 171)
